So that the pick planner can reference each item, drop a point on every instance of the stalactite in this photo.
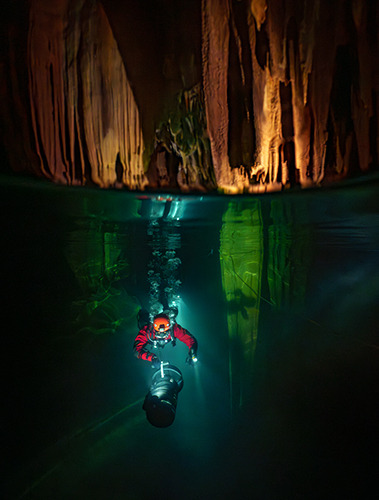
(290, 92)
(327, 37)
(85, 119)
(293, 30)
(362, 107)
(215, 71)
(294, 47)
(267, 117)
(46, 86)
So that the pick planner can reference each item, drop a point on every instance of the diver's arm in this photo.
(140, 347)
(185, 336)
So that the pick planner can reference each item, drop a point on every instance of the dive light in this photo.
(161, 400)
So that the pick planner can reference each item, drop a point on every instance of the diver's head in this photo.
(161, 325)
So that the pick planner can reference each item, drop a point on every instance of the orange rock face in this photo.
(289, 91)
(85, 120)
(312, 85)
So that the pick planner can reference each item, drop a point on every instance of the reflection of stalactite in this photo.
(252, 250)
(241, 255)
(85, 120)
(288, 256)
(96, 256)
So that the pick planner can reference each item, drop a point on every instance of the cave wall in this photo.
(311, 70)
(84, 116)
(231, 94)
(79, 112)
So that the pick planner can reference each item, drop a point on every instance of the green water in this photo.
(282, 293)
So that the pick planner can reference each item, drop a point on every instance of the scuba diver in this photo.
(159, 333)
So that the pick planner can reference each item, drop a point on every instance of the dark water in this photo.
(282, 293)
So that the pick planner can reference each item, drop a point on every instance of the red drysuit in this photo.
(147, 336)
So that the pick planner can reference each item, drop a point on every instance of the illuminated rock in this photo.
(289, 91)
(84, 116)
(310, 61)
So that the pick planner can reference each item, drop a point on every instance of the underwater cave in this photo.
(216, 159)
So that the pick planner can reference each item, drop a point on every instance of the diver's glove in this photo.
(155, 363)
(192, 357)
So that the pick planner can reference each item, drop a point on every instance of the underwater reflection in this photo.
(265, 258)
(281, 293)
(96, 251)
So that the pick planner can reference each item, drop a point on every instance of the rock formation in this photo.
(275, 94)
(310, 68)
(83, 111)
